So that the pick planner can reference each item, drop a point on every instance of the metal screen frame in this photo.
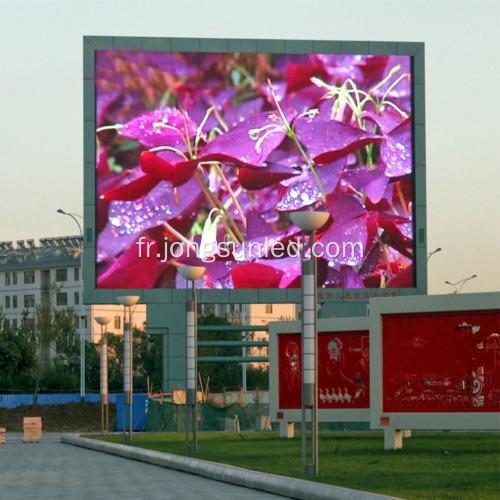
(91, 44)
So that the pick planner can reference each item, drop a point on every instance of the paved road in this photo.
(50, 470)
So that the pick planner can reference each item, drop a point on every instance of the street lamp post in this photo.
(430, 254)
(460, 284)
(191, 273)
(104, 321)
(127, 301)
(82, 307)
(309, 222)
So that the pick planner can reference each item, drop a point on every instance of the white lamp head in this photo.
(128, 300)
(309, 221)
(191, 272)
(103, 320)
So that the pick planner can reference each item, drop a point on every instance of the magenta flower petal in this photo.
(253, 179)
(348, 232)
(329, 140)
(129, 218)
(303, 190)
(133, 190)
(130, 270)
(236, 115)
(257, 227)
(161, 127)
(299, 76)
(402, 280)
(256, 276)
(386, 121)
(349, 278)
(167, 166)
(250, 142)
(371, 181)
(396, 150)
(396, 238)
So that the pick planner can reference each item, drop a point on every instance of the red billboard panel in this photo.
(441, 362)
(343, 370)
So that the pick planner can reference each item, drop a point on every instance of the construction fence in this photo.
(170, 417)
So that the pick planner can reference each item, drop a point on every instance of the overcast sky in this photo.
(41, 103)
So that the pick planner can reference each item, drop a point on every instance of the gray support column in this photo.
(104, 385)
(164, 382)
(393, 439)
(171, 318)
(190, 354)
(308, 333)
(127, 363)
(309, 360)
(127, 371)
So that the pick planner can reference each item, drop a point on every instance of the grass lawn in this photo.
(438, 465)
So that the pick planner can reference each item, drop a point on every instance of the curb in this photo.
(271, 483)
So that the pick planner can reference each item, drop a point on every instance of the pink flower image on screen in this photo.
(201, 157)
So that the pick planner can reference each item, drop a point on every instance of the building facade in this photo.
(50, 273)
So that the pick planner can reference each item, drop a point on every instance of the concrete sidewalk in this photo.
(50, 470)
(265, 482)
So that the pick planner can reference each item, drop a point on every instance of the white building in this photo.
(50, 272)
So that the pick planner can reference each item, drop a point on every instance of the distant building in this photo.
(51, 273)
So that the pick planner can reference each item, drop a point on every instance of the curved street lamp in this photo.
(430, 254)
(82, 306)
(74, 217)
(127, 301)
(460, 284)
(309, 222)
(191, 273)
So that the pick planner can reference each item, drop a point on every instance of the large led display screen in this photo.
(201, 157)
(441, 362)
(343, 370)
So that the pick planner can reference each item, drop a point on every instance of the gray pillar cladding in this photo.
(127, 363)
(170, 321)
(309, 332)
(104, 369)
(191, 354)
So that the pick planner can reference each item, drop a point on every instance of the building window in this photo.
(7, 323)
(29, 321)
(7, 302)
(14, 280)
(269, 308)
(7, 279)
(77, 274)
(29, 301)
(29, 277)
(62, 299)
(14, 323)
(61, 275)
(117, 322)
(77, 299)
(14, 301)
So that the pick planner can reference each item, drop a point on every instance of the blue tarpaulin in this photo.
(15, 400)
(139, 412)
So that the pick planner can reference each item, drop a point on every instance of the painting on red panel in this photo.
(441, 362)
(343, 370)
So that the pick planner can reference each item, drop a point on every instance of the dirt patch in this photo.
(69, 417)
